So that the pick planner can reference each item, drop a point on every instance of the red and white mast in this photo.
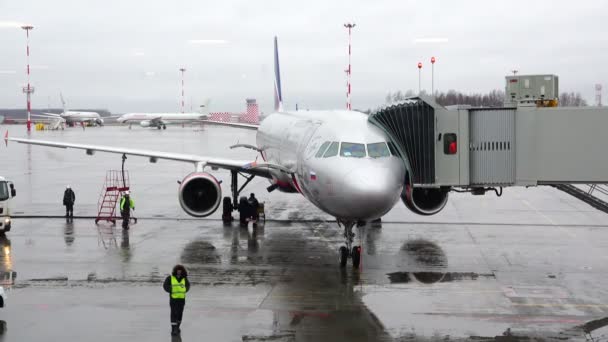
(349, 26)
(183, 70)
(28, 90)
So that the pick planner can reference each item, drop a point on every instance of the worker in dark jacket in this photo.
(177, 285)
(253, 206)
(68, 201)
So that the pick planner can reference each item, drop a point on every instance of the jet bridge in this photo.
(467, 147)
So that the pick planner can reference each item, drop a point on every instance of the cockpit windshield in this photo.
(378, 150)
(3, 191)
(352, 150)
(332, 151)
(322, 149)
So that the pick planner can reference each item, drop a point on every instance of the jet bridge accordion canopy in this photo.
(411, 128)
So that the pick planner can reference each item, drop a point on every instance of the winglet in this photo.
(278, 94)
(6, 138)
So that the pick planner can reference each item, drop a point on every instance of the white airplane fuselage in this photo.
(342, 185)
(155, 119)
(77, 117)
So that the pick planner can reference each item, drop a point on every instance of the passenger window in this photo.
(378, 150)
(332, 151)
(352, 150)
(322, 149)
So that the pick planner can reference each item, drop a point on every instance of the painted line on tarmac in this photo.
(446, 223)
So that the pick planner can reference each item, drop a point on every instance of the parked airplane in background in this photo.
(161, 120)
(338, 160)
(71, 118)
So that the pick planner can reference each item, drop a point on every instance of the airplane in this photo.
(71, 118)
(161, 120)
(336, 159)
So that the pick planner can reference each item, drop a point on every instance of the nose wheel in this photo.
(349, 251)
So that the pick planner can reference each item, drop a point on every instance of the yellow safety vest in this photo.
(122, 203)
(178, 288)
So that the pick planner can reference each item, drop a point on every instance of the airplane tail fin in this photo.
(204, 108)
(63, 103)
(278, 95)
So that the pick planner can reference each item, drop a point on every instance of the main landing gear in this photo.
(231, 204)
(349, 251)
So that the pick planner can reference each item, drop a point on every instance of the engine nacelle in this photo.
(99, 121)
(145, 123)
(424, 201)
(200, 194)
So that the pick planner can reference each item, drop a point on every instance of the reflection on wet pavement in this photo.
(281, 283)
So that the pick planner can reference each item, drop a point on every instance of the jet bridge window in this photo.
(378, 150)
(352, 150)
(332, 151)
(322, 149)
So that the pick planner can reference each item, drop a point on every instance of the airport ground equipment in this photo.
(7, 192)
(541, 90)
(115, 184)
(477, 149)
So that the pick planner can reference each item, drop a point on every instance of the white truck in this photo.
(7, 191)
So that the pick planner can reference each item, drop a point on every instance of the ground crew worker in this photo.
(177, 285)
(69, 197)
(253, 206)
(126, 204)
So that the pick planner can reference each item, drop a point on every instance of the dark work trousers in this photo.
(177, 310)
(69, 210)
(126, 216)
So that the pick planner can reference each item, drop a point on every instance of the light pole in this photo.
(433, 76)
(183, 70)
(349, 26)
(28, 90)
(419, 75)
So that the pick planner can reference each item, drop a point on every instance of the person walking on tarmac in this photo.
(253, 206)
(126, 204)
(68, 201)
(177, 285)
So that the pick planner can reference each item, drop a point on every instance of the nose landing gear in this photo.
(349, 251)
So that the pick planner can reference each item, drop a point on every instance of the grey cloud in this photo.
(125, 55)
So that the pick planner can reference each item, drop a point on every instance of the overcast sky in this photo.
(125, 55)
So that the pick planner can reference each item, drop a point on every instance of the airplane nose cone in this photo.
(372, 191)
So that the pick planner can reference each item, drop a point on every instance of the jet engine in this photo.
(200, 194)
(145, 123)
(99, 122)
(424, 201)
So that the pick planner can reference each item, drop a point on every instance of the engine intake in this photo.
(200, 194)
(424, 201)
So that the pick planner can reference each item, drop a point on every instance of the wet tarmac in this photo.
(528, 266)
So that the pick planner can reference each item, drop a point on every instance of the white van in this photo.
(7, 191)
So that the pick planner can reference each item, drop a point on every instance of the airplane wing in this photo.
(49, 114)
(249, 167)
(48, 117)
(231, 124)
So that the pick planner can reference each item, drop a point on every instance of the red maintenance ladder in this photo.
(116, 183)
